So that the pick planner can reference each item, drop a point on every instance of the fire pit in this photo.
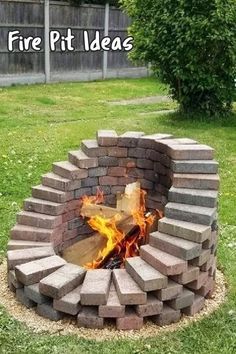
(125, 230)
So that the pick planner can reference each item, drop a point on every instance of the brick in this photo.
(108, 181)
(70, 215)
(107, 138)
(21, 297)
(62, 281)
(164, 262)
(55, 181)
(125, 180)
(83, 191)
(81, 160)
(211, 241)
(152, 155)
(175, 246)
(91, 148)
(207, 287)
(108, 161)
(22, 244)
(129, 139)
(46, 310)
(207, 266)
(113, 307)
(194, 166)
(190, 213)
(167, 316)
(198, 304)
(16, 257)
(104, 189)
(138, 153)
(33, 271)
(163, 145)
(135, 172)
(199, 282)
(117, 189)
(149, 141)
(203, 258)
(116, 171)
(97, 172)
(95, 288)
(38, 220)
(150, 175)
(189, 231)
(183, 300)
(128, 291)
(30, 233)
(162, 170)
(12, 279)
(88, 318)
(145, 163)
(77, 222)
(196, 181)
(186, 277)
(43, 206)
(70, 303)
(89, 182)
(127, 162)
(68, 170)
(145, 184)
(33, 293)
(198, 197)
(147, 277)
(151, 308)
(165, 160)
(190, 152)
(131, 321)
(170, 292)
(118, 152)
(51, 194)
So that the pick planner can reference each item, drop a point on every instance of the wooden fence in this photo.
(37, 18)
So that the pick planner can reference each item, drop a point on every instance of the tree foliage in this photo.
(191, 44)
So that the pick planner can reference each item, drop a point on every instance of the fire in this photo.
(119, 244)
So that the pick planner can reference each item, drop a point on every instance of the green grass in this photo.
(40, 124)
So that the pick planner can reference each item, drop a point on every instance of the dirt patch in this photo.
(67, 326)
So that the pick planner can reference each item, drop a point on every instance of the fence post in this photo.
(106, 32)
(46, 41)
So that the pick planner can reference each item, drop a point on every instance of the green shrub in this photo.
(191, 45)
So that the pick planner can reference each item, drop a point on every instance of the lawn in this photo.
(40, 124)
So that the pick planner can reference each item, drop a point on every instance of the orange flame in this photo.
(117, 243)
(93, 199)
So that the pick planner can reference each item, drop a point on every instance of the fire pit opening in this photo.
(126, 229)
(119, 231)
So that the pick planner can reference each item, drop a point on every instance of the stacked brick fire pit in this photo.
(174, 272)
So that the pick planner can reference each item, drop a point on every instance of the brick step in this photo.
(183, 229)
(33, 271)
(170, 292)
(190, 152)
(51, 194)
(147, 277)
(38, 220)
(197, 305)
(68, 170)
(16, 257)
(113, 307)
(43, 206)
(194, 166)
(57, 182)
(107, 138)
(46, 310)
(183, 300)
(190, 213)
(151, 308)
(81, 160)
(128, 291)
(167, 316)
(175, 246)
(199, 282)
(88, 318)
(30, 233)
(131, 321)
(162, 261)
(69, 303)
(196, 181)
(188, 276)
(91, 148)
(95, 288)
(33, 293)
(62, 281)
(206, 198)
(22, 244)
